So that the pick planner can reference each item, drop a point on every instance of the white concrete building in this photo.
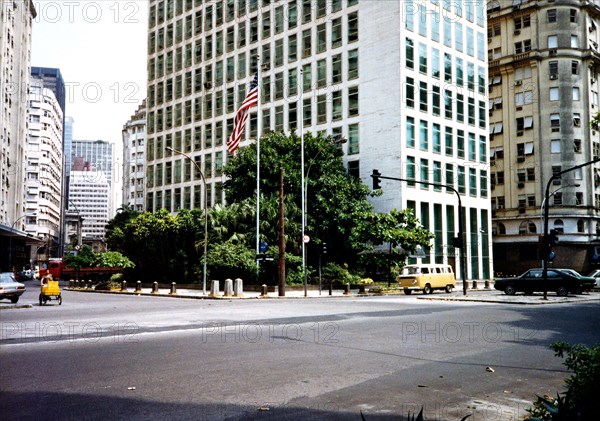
(16, 20)
(404, 81)
(134, 160)
(89, 196)
(44, 165)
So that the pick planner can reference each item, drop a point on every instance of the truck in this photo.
(58, 270)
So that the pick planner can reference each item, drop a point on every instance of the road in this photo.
(149, 358)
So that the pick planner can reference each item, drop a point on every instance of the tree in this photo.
(115, 236)
(334, 198)
(397, 229)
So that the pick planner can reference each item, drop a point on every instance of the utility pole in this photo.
(281, 266)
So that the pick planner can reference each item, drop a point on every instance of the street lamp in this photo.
(10, 242)
(337, 140)
(175, 151)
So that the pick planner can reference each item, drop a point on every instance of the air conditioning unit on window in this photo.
(520, 133)
(517, 32)
(521, 185)
(520, 159)
(518, 82)
(553, 77)
(552, 52)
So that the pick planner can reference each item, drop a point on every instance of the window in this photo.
(423, 135)
(555, 121)
(424, 173)
(574, 41)
(574, 67)
(554, 94)
(522, 46)
(353, 101)
(423, 58)
(552, 41)
(353, 141)
(410, 92)
(353, 27)
(410, 53)
(336, 33)
(577, 120)
(410, 170)
(575, 93)
(410, 132)
(573, 15)
(321, 109)
(321, 38)
(577, 145)
(352, 64)
(423, 96)
(555, 146)
(551, 15)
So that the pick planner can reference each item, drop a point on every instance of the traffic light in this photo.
(543, 248)
(457, 242)
(553, 239)
(324, 248)
(376, 180)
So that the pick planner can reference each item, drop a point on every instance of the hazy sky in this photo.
(100, 48)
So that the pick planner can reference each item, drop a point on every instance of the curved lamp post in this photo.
(175, 151)
(10, 242)
(338, 140)
(552, 194)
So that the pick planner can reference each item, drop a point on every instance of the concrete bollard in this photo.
(487, 284)
(362, 290)
(124, 286)
(474, 284)
(138, 286)
(214, 289)
(155, 288)
(173, 288)
(228, 288)
(76, 283)
(71, 283)
(238, 288)
(90, 284)
(264, 291)
(347, 289)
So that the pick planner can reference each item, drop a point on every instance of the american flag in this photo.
(239, 122)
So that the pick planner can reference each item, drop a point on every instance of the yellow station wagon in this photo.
(427, 278)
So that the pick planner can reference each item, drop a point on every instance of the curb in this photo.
(206, 297)
(520, 302)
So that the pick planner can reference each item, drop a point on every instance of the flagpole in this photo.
(303, 205)
(258, 134)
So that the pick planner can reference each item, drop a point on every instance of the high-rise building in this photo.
(134, 160)
(52, 79)
(544, 62)
(44, 167)
(95, 155)
(90, 197)
(404, 82)
(16, 20)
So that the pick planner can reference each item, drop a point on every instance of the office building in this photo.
(404, 82)
(44, 168)
(90, 196)
(134, 160)
(543, 69)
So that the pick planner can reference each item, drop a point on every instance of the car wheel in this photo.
(427, 289)
(510, 290)
(41, 299)
(448, 289)
(407, 291)
(14, 299)
(59, 300)
(561, 291)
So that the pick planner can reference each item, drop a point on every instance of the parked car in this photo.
(596, 275)
(561, 281)
(10, 288)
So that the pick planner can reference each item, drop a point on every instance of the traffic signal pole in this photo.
(546, 214)
(460, 243)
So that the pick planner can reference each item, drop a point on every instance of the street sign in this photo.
(306, 239)
(262, 257)
(263, 246)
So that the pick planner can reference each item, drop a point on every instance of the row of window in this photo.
(455, 107)
(322, 109)
(216, 12)
(459, 177)
(452, 141)
(329, 72)
(524, 21)
(184, 198)
(319, 39)
(454, 33)
(431, 62)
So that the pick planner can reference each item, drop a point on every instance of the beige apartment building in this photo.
(544, 62)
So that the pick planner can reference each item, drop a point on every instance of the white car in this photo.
(10, 288)
(596, 274)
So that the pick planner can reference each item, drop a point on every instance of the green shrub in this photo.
(583, 387)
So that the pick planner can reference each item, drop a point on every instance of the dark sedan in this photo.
(561, 281)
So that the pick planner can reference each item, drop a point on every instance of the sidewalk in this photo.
(478, 295)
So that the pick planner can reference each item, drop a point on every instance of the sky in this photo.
(100, 48)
